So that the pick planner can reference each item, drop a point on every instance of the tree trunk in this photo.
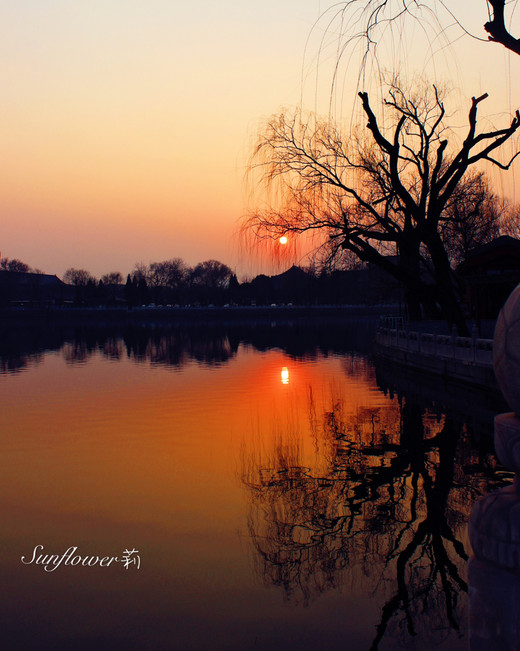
(445, 281)
(413, 304)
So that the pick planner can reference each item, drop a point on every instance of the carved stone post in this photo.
(494, 525)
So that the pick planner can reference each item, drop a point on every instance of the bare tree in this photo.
(472, 217)
(112, 278)
(14, 265)
(211, 274)
(381, 194)
(510, 219)
(78, 276)
(140, 271)
(169, 273)
(372, 18)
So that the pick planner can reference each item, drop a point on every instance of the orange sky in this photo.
(126, 126)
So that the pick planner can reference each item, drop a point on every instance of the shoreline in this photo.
(190, 314)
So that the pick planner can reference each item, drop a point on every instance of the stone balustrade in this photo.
(471, 350)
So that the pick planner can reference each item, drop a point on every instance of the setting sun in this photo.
(283, 240)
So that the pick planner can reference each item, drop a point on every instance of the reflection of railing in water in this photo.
(469, 359)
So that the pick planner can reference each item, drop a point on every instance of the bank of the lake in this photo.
(193, 313)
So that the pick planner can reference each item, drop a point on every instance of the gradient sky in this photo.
(126, 126)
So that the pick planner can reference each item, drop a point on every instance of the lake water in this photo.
(262, 486)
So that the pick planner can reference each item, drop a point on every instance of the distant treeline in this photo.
(174, 283)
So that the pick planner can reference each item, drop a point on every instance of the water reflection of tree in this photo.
(18, 352)
(389, 504)
(177, 344)
(163, 346)
(15, 362)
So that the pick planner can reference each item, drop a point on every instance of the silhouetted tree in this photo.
(369, 21)
(384, 195)
(140, 271)
(472, 217)
(130, 292)
(101, 295)
(14, 265)
(166, 279)
(234, 289)
(209, 281)
(169, 273)
(112, 278)
(211, 274)
(76, 277)
(143, 295)
(510, 219)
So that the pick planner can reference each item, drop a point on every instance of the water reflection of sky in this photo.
(277, 501)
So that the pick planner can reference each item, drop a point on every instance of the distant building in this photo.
(293, 286)
(30, 289)
(490, 273)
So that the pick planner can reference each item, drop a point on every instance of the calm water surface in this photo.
(279, 490)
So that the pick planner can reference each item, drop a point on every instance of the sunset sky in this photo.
(126, 126)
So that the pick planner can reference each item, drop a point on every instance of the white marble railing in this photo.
(472, 350)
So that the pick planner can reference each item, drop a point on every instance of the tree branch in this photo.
(497, 30)
(391, 149)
